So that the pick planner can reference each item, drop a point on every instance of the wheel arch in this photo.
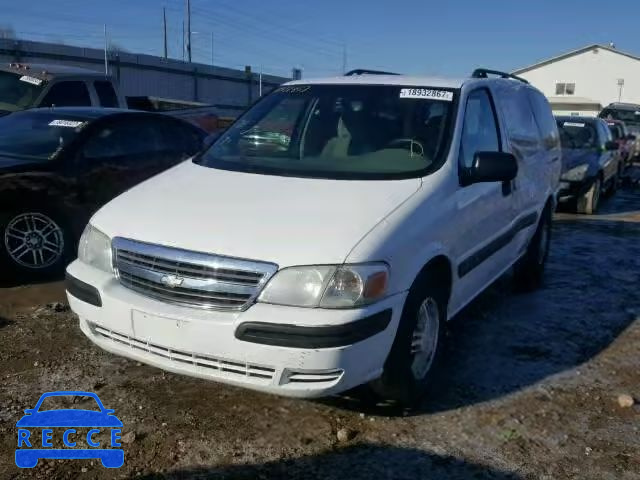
(441, 267)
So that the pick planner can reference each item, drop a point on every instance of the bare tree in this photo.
(114, 48)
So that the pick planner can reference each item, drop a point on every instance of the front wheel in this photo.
(588, 203)
(34, 243)
(417, 347)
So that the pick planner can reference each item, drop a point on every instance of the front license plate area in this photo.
(159, 330)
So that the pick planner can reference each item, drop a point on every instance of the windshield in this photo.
(37, 135)
(18, 91)
(339, 131)
(578, 135)
(630, 117)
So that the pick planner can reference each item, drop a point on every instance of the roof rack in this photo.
(363, 71)
(485, 72)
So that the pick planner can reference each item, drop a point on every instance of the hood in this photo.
(284, 220)
(69, 418)
(571, 158)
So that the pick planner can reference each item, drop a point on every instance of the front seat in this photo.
(338, 146)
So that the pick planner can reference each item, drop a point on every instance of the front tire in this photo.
(588, 203)
(529, 270)
(417, 348)
(34, 243)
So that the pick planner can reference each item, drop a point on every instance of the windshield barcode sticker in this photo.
(31, 80)
(426, 93)
(65, 123)
(572, 124)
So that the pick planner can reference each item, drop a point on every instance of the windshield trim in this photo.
(439, 161)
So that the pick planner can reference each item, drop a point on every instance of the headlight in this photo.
(327, 286)
(576, 174)
(95, 249)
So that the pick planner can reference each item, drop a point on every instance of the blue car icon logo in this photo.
(34, 445)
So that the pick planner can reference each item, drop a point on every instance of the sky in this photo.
(448, 38)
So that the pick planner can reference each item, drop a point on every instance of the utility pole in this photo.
(106, 61)
(260, 82)
(164, 28)
(189, 30)
(212, 49)
(344, 58)
(183, 40)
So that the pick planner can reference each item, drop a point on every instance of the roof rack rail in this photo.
(364, 71)
(485, 72)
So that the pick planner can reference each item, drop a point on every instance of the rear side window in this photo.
(106, 93)
(125, 137)
(67, 94)
(518, 115)
(545, 120)
(179, 137)
(479, 132)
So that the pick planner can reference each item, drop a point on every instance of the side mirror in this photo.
(29, 411)
(491, 167)
(611, 146)
(631, 137)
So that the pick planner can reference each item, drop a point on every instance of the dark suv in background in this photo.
(629, 113)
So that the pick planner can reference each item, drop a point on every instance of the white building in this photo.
(585, 80)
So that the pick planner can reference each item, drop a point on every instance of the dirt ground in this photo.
(529, 390)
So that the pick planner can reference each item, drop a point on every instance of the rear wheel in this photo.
(588, 203)
(34, 242)
(416, 350)
(529, 270)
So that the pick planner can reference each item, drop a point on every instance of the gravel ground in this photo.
(529, 390)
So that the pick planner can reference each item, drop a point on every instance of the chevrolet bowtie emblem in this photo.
(171, 281)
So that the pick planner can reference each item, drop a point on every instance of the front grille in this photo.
(212, 365)
(189, 278)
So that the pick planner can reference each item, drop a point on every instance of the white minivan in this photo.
(324, 240)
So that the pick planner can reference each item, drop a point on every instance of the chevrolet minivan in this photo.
(324, 240)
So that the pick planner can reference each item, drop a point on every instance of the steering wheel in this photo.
(408, 142)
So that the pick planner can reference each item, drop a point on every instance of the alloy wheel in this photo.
(34, 241)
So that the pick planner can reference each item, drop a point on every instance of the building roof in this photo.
(572, 54)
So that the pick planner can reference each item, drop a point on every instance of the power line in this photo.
(265, 33)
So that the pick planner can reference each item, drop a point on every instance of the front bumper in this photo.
(233, 347)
